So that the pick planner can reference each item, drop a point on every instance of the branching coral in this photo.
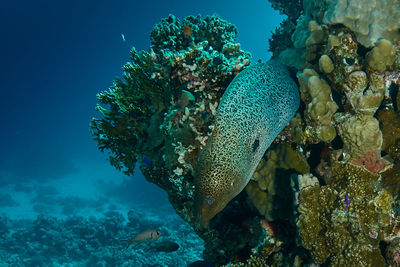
(131, 101)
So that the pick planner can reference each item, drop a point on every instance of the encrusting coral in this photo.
(351, 234)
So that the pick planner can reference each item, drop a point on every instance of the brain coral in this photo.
(256, 106)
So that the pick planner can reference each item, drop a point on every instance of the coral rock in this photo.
(382, 55)
(326, 64)
(369, 19)
(360, 134)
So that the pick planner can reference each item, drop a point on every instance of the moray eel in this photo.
(258, 103)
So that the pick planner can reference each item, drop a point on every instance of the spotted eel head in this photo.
(217, 180)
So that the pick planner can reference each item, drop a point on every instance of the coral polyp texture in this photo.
(327, 189)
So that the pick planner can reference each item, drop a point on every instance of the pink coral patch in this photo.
(371, 161)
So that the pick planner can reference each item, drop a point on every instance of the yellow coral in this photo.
(346, 237)
(381, 56)
(262, 190)
(326, 64)
(360, 134)
(322, 107)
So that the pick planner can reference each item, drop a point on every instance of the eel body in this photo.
(259, 102)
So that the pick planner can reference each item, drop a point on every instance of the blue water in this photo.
(56, 56)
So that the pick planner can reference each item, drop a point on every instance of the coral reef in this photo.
(162, 112)
(348, 123)
(327, 190)
(329, 231)
(183, 76)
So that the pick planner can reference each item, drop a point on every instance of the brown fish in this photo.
(187, 31)
(145, 236)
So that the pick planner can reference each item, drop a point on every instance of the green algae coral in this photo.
(315, 204)
(130, 108)
(175, 35)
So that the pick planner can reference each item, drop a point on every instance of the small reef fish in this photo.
(165, 246)
(145, 236)
(199, 264)
(123, 37)
(146, 161)
(347, 202)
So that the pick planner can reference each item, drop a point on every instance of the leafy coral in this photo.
(130, 102)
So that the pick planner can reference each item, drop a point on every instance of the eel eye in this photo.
(209, 200)
(255, 145)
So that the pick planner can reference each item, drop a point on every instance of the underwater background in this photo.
(160, 134)
(56, 57)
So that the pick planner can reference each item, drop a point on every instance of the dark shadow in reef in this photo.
(285, 214)
(235, 231)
